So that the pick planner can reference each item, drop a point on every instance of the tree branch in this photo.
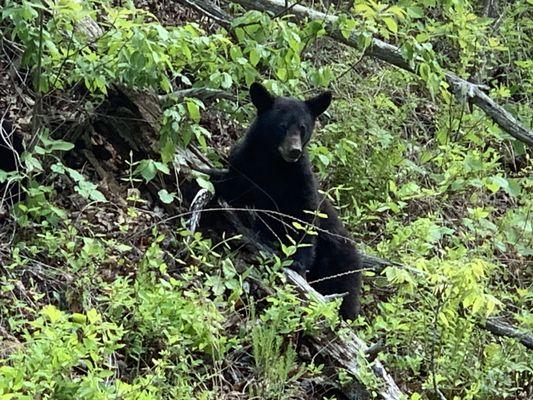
(200, 93)
(210, 10)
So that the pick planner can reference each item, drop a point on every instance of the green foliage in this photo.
(65, 356)
(418, 175)
(451, 299)
(275, 366)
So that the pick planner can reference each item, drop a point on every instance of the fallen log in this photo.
(345, 352)
(380, 50)
(501, 328)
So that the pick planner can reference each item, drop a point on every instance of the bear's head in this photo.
(285, 124)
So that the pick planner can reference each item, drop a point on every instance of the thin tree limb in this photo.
(200, 93)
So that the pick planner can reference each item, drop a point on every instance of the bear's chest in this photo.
(288, 192)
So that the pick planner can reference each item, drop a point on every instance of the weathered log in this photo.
(345, 352)
(385, 52)
(500, 328)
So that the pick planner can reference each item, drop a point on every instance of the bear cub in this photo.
(269, 171)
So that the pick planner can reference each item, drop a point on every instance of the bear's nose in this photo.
(295, 152)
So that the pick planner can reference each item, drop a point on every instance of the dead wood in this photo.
(500, 328)
(345, 351)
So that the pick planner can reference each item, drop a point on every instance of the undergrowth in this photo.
(110, 298)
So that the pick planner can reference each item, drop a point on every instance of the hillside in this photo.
(119, 279)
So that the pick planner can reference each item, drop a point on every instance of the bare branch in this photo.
(200, 93)
(210, 10)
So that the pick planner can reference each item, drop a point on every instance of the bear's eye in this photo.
(302, 129)
(284, 126)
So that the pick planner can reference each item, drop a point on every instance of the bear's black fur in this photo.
(11, 147)
(270, 170)
(10, 142)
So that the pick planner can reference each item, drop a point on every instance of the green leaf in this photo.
(227, 80)
(424, 70)
(161, 167)
(391, 24)
(194, 111)
(324, 159)
(165, 196)
(168, 149)
(52, 145)
(32, 164)
(52, 313)
(235, 53)
(415, 12)
(478, 304)
(347, 26)
(281, 73)
(89, 190)
(254, 57)
(146, 169)
(514, 187)
(93, 316)
(205, 183)
(79, 318)
(422, 37)
(397, 11)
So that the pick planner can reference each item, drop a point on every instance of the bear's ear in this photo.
(261, 98)
(317, 105)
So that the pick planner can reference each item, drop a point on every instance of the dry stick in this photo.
(201, 93)
(392, 55)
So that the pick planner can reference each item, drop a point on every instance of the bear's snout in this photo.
(295, 152)
(291, 148)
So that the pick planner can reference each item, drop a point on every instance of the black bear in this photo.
(269, 171)
(11, 147)
(10, 142)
